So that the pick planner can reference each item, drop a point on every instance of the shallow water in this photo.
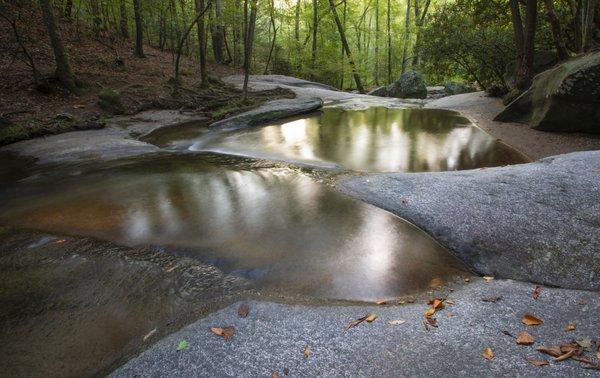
(277, 227)
(372, 140)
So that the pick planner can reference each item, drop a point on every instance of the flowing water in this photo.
(277, 227)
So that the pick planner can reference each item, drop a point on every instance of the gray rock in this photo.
(536, 222)
(454, 88)
(268, 112)
(564, 98)
(273, 337)
(409, 85)
(381, 92)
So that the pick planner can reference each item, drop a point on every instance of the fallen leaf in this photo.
(381, 302)
(286, 371)
(369, 318)
(436, 282)
(437, 304)
(243, 311)
(570, 327)
(488, 353)
(429, 322)
(492, 299)
(450, 301)
(524, 338)
(307, 352)
(488, 278)
(149, 334)
(565, 356)
(401, 301)
(183, 345)
(553, 350)
(225, 332)
(397, 322)
(430, 312)
(535, 362)
(449, 314)
(582, 302)
(531, 320)
(275, 375)
(598, 353)
(536, 292)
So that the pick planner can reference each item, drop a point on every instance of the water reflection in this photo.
(376, 139)
(281, 229)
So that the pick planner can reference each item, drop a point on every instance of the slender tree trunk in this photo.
(531, 11)
(248, 46)
(340, 27)
(297, 22)
(314, 32)
(420, 15)
(123, 21)
(588, 11)
(406, 36)
(344, 16)
(389, 43)
(95, 10)
(63, 69)
(218, 32)
(201, 43)
(376, 73)
(561, 49)
(138, 49)
(272, 18)
(519, 36)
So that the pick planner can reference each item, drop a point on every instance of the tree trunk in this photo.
(389, 43)
(420, 15)
(138, 50)
(376, 73)
(248, 46)
(588, 10)
(218, 32)
(561, 49)
(63, 69)
(123, 22)
(406, 36)
(272, 18)
(531, 10)
(201, 43)
(519, 36)
(340, 28)
(314, 32)
(297, 22)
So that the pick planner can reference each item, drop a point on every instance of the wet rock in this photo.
(268, 112)
(564, 98)
(536, 222)
(381, 92)
(110, 100)
(409, 85)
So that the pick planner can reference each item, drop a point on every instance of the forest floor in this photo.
(101, 61)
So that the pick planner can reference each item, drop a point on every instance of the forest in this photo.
(223, 188)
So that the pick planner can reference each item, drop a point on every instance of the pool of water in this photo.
(372, 140)
(280, 229)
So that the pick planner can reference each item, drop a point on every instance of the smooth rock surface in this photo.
(537, 222)
(269, 112)
(273, 337)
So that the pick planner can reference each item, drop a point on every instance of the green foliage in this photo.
(183, 344)
(110, 100)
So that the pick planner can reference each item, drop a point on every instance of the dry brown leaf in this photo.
(371, 318)
(565, 356)
(449, 314)
(488, 278)
(450, 301)
(535, 362)
(275, 375)
(225, 332)
(436, 282)
(598, 353)
(307, 352)
(488, 353)
(570, 327)
(524, 338)
(381, 302)
(531, 320)
(397, 322)
(243, 311)
(553, 350)
(437, 304)
(536, 292)
(286, 371)
(430, 312)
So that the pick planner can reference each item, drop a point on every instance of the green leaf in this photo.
(183, 345)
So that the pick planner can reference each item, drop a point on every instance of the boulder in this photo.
(564, 98)
(454, 88)
(409, 85)
(381, 92)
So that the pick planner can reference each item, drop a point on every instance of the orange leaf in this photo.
(436, 282)
(369, 318)
(307, 352)
(535, 362)
(570, 327)
(438, 304)
(381, 302)
(430, 312)
(531, 320)
(488, 353)
(524, 338)
(243, 311)
(224, 332)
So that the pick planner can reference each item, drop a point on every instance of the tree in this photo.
(561, 49)
(389, 43)
(138, 50)
(315, 25)
(524, 41)
(340, 28)
(272, 18)
(420, 15)
(406, 37)
(123, 21)
(63, 69)
(218, 32)
(248, 45)
(201, 44)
